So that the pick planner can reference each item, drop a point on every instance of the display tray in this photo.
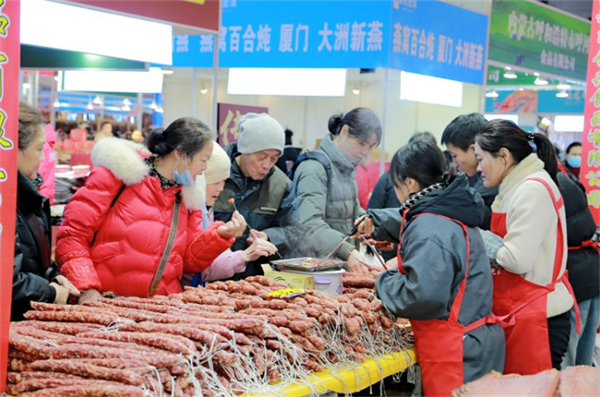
(308, 264)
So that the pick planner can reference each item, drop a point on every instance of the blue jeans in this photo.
(581, 347)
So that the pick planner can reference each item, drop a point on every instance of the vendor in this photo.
(136, 225)
(229, 262)
(326, 190)
(528, 242)
(34, 274)
(443, 283)
(258, 189)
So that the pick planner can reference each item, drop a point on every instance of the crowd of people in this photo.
(482, 242)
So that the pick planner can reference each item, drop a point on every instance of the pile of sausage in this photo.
(204, 341)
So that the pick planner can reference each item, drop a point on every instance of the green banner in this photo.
(533, 36)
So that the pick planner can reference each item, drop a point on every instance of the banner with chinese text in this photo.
(590, 154)
(9, 126)
(228, 116)
(536, 37)
(421, 36)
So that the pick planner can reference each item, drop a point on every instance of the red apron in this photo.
(527, 344)
(439, 343)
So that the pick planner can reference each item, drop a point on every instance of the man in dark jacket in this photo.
(260, 191)
(459, 138)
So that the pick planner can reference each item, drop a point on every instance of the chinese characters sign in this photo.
(229, 115)
(428, 37)
(438, 39)
(590, 161)
(9, 111)
(536, 37)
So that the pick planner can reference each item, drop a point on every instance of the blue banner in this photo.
(573, 104)
(421, 36)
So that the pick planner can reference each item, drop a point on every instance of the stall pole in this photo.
(215, 83)
(30, 90)
(140, 111)
(36, 89)
(21, 81)
(52, 100)
(383, 123)
(192, 113)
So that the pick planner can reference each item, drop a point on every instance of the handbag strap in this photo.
(168, 248)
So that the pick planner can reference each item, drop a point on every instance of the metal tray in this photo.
(308, 264)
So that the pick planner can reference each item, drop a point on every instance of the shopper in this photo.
(290, 153)
(35, 277)
(573, 158)
(258, 189)
(229, 262)
(325, 186)
(459, 138)
(531, 250)
(443, 283)
(116, 232)
(106, 131)
(584, 272)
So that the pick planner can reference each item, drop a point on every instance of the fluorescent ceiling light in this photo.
(563, 86)
(562, 94)
(95, 32)
(420, 88)
(540, 81)
(492, 94)
(288, 81)
(511, 117)
(111, 81)
(568, 123)
(509, 73)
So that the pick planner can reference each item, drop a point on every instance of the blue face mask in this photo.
(574, 161)
(184, 179)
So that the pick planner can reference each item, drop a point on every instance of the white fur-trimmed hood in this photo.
(123, 159)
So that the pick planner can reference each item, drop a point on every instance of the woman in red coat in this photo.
(120, 226)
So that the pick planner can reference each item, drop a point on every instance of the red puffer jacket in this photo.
(131, 236)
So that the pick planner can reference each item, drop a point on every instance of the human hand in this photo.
(366, 227)
(392, 264)
(356, 263)
(61, 294)
(90, 295)
(255, 234)
(234, 228)
(65, 283)
(259, 247)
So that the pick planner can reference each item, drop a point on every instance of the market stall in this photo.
(253, 337)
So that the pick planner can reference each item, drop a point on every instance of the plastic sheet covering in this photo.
(579, 381)
(543, 384)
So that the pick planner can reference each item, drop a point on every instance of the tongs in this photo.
(374, 250)
(352, 233)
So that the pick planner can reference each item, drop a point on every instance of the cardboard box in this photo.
(292, 279)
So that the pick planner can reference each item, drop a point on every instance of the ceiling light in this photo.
(159, 109)
(126, 102)
(540, 81)
(98, 100)
(56, 104)
(536, 74)
(126, 108)
(153, 105)
(492, 94)
(563, 86)
(203, 90)
(509, 73)
(90, 106)
(26, 86)
(356, 91)
(562, 94)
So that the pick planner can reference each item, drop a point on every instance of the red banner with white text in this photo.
(590, 160)
(9, 125)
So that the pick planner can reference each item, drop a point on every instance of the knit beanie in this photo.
(218, 166)
(259, 132)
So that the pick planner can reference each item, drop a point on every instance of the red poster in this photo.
(195, 14)
(9, 125)
(590, 161)
(229, 115)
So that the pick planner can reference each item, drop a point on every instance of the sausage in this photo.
(96, 390)
(74, 316)
(75, 367)
(159, 360)
(30, 345)
(173, 343)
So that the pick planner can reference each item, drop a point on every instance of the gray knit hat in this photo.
(259, 132)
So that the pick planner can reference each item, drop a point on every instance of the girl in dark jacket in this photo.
(443, 282)
(34, 273)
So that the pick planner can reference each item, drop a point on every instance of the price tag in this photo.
(287, 292)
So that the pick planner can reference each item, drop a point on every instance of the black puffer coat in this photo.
(30, 277)
(583, 264)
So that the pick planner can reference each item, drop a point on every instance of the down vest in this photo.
(131, 236)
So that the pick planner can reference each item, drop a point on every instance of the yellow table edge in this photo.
(357, 378)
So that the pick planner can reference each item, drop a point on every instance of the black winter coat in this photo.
(30, 277)
(583, 264)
